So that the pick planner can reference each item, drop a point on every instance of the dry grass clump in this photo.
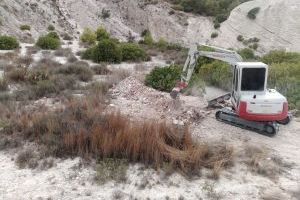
(111, 169)
(85, 129)
(80, 69)
(260, 162)
(24, 61)
(101, 69)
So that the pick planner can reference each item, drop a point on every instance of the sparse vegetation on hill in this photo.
(8, 42)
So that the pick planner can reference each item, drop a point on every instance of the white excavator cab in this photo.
(249, 78)
(251, 98)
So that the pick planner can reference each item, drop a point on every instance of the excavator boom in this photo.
(213, 52)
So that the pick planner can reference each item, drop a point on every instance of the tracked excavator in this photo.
(252, 105)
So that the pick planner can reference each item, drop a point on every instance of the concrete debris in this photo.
(136, 99)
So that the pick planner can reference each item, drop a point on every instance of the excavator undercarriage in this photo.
(228, 116)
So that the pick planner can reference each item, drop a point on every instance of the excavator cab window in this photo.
(253, 79)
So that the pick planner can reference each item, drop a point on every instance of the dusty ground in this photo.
(278, 176)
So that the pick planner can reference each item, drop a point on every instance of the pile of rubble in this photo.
(132, 97)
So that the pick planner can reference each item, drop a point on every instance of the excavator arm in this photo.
(213, 52)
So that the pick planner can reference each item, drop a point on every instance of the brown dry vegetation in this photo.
(85, 129)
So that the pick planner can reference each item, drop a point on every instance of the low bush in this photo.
(240, 38)
(105, 13)
(253, 12)
(25, 27)
(8, 42)
(148, 40)
(48, 42)
(53, 34)
(247, 54)
(280, 56)
(132, 52)
(253, 46)
(102, 34)
(88, 37)
(51, 28)
(162, 44)
(66, 36)
(214, 35)
(217, 25)
(284, 74)
(217, 73)
(164, 78)
(106, 51)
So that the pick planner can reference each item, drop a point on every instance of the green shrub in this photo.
(279, 56)
(66, 36)
(253, 12)
(88, 36)
(285, 77)
(106, 51)
(101, 34)
(214, 35)
(253, 46)
(240, 38)
(148, 40)
(8, 42)
(105, 13)
(51, 28)
(132, 52)
(247, 54)
(48, 42)
(53, 34)
(217, 73)
(25, 27)
(164, 78)
(217, 25)
(162, 44)
(88, 54)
